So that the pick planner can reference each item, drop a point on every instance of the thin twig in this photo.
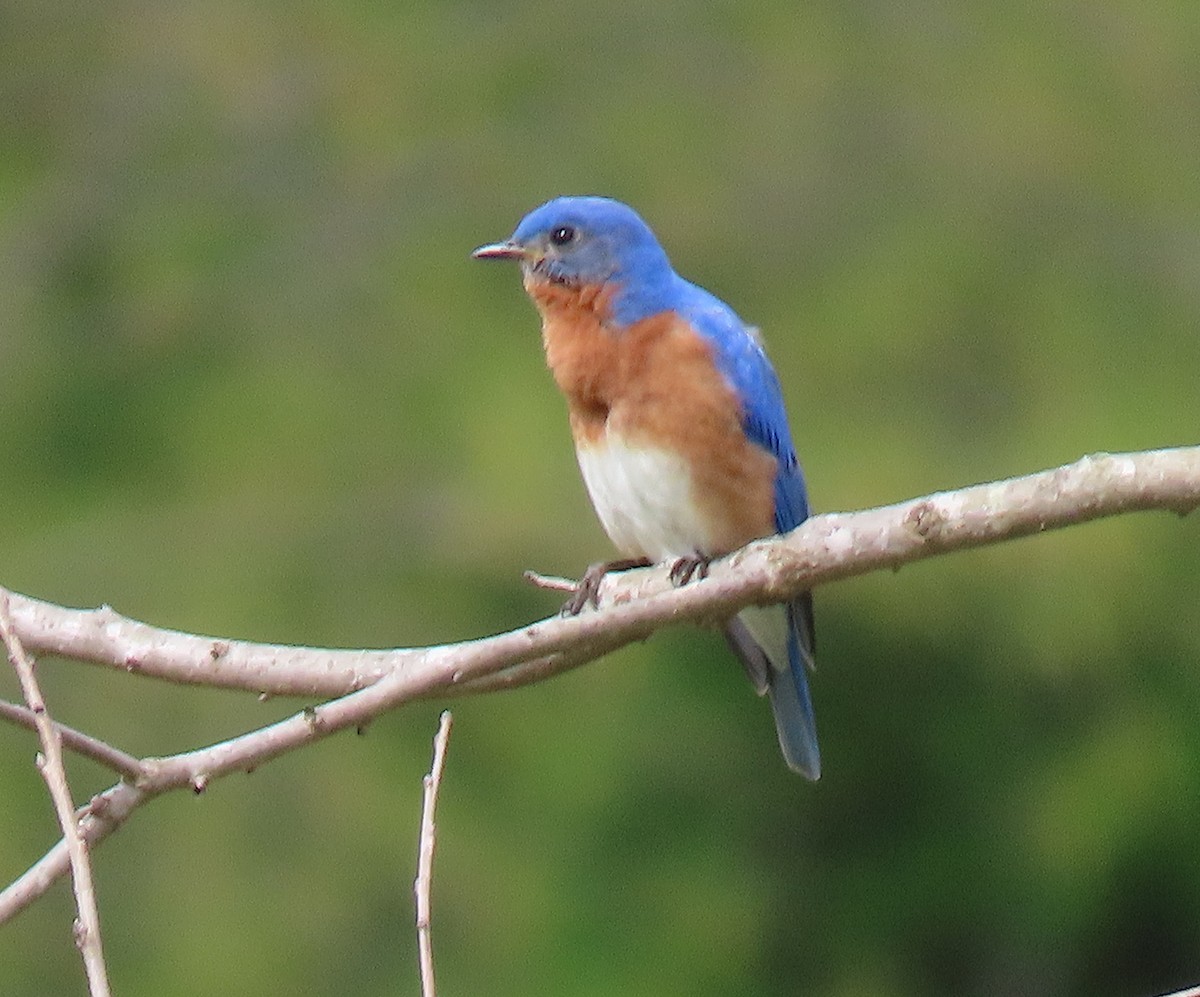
(432, 783)
(553, 583)
(125, 765)
(50, 764)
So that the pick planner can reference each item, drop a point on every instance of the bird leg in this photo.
(587, 592)
(685, 569)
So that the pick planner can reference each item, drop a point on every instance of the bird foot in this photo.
(686, 569)
(587, 592)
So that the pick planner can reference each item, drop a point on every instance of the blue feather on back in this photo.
(741, 358)
(744, 363)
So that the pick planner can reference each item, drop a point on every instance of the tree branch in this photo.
(632, 606)
(824, 549)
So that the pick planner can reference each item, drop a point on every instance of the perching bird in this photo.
(679, 424)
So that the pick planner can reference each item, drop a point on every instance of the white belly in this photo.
(643, 496)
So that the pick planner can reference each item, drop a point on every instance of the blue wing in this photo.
(775, 644)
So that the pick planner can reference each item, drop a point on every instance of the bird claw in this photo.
(686, 569)
(587, 592)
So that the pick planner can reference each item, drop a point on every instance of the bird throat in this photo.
(583, 347)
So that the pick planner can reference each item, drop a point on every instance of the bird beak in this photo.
(501, 251)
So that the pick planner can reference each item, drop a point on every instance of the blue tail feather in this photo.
(775, 644)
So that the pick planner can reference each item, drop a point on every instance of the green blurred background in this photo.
(252, 385)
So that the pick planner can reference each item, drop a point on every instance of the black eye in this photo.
(562, 235)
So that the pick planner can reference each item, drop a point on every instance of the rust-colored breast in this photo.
(656, 384)
(581, 351)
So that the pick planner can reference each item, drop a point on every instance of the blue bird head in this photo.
(590, 241)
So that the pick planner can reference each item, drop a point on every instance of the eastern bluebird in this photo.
(678, 421)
